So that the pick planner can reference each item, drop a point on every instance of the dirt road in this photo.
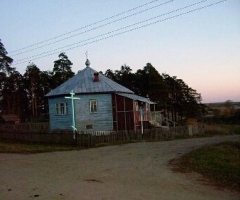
(132, 171)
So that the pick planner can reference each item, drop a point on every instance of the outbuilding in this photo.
(9, 119)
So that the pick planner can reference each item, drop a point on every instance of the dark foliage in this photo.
(172, 95)
(23, 95)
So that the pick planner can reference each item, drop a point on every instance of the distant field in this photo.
(222, 104)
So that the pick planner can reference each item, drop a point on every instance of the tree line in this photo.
(23, 94)
(173, 96)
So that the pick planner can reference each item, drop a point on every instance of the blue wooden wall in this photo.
(100, 121)
(59, 122)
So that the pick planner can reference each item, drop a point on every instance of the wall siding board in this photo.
(125, 113)
(100, 121)
(60, 122)
(114, 113)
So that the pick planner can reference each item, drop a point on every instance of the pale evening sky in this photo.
(201, 47)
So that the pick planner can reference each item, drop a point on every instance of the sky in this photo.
(199, 44)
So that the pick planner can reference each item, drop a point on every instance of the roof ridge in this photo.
(110, 85)
(83, 82)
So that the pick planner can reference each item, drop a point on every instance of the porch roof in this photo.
(136, 97)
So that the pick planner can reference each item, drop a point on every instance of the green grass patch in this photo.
(220, 163)
(22, 148)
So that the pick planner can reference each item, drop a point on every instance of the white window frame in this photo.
(61, 108)
(93, 106)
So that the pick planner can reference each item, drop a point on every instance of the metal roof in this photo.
(83, 83)
(136, 97)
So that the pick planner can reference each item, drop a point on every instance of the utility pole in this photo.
(73, 112)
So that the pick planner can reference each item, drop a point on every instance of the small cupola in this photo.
(87, 63)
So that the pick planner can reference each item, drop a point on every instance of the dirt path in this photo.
(132, 171)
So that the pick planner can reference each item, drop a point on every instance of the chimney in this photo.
(96, 77)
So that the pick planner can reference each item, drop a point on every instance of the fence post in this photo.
(76, 134)
(190, 130)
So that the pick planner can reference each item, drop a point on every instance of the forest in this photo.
(23, 94)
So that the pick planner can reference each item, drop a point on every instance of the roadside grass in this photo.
(219, 163)
(24, 148)
(8, 146)
(32, 148)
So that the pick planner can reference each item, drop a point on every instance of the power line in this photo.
(58, 49)
(120, 33)
(65, 38)
(89, 25)
(27, 58)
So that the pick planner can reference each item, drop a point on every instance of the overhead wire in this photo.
(103, 25)
(89, 25)
(38, 56)
(107, 33)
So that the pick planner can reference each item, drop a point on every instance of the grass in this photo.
(219, 163)
(31, 148)
(24, 148)
(27, 148)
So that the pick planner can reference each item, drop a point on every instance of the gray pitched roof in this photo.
(83, 83)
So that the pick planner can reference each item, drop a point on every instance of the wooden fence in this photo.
(42, 138)
(91, 139)
(25, 128)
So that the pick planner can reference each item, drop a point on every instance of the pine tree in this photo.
(62, 70)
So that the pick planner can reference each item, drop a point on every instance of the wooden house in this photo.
(100, 104)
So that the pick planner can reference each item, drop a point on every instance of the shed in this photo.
(9, 119)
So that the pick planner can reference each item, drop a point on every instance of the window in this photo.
(93, 106)
(61, 108)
